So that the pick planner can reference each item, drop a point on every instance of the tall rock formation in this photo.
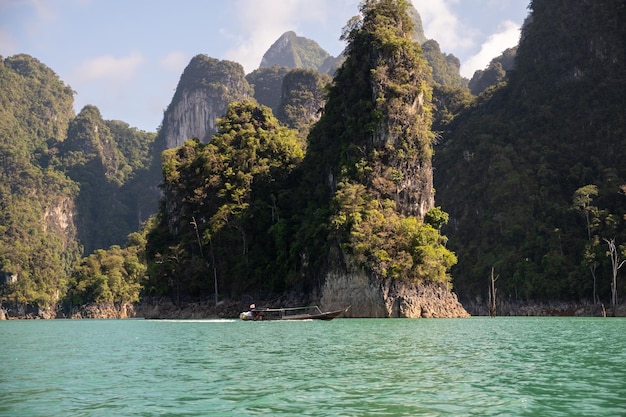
(446, 67)
(372, 150)
(204, 91)
(91, 157)
(380, 112)
(267, 84)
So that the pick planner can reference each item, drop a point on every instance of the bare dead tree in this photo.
(616, 264)
(492, 295)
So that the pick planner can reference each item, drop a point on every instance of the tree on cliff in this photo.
(368, 163)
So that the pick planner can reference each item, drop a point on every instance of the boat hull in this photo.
(266, 316)
(329, 315)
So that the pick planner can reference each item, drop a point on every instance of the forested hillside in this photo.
(68, 184)
(533, 174)
(37, 233)
(104, 157)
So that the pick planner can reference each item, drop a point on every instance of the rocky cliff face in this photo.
(389, 299)
(58, 218)
(192, 116)
(103, 311)
(204, 91)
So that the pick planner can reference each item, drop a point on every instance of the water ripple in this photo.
(347, 367)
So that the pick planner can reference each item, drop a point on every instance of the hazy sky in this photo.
(126, 56)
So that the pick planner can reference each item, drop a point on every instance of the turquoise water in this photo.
(346, 367)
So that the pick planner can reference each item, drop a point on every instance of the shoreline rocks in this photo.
(547, 309)
(366, 301)
(389, 299)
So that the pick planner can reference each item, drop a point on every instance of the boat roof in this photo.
(285, 308)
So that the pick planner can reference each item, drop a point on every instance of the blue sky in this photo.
(126, 56)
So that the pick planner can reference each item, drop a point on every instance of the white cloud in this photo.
(42, 8)
(30, 16)
(495, 44)
(109, 67)
(441, 24)
(175, 61)
(262, 22)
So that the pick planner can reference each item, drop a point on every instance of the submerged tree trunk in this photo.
(492, 295)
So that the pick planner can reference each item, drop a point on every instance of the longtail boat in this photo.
(289, 313)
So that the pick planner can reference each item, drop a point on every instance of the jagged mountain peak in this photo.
(293, 51)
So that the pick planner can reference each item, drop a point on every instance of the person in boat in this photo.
(253, 314)
(256, 314)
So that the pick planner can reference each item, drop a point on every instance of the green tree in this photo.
(115, 275)
(229, 187)
(387, 243)
(583, 197)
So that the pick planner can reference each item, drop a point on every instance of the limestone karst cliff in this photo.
(204, 91)
(389, 299)
(369, 167)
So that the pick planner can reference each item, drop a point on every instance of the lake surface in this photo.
(346, 367)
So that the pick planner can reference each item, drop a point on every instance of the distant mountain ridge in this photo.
(293, 51)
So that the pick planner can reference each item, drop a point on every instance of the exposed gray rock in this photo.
(367, 298)
(104, 311)
(206, 88)
(192, 116)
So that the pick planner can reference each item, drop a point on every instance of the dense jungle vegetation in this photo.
(65, 180)
(527, 163)
(533, 174)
